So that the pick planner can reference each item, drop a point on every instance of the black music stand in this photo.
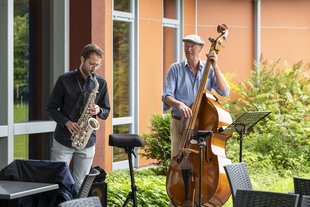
(243, 123)
(199, 139)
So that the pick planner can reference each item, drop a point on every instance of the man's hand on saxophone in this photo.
(93, 110)
(73, 127)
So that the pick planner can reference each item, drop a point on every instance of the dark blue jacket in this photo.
(43, 171)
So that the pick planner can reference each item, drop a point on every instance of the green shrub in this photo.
(281, 139)
(158, 140)
(152, 188)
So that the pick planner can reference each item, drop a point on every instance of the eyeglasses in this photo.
(95, 65)
(186, 46)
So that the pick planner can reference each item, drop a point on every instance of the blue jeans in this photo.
(82, 159)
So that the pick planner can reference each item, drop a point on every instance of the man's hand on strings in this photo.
(185, 110)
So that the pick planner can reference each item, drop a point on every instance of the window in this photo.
(21, 74)
(170, 9)
(170, 48)
(171, 33)
(121, 69)
(119, 153)
(122, 5)
(124, 74)
(26, 49)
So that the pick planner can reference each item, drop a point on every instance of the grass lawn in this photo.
(270, 182)
(153, 190)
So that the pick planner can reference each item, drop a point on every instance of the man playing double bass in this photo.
(182, 83)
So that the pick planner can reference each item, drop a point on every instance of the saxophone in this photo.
(87, 123)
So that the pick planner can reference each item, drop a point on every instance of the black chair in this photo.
(100, 187)
(82, 202)
(238, 178)
(87, 183)
(301, 187)
(255, 198)
(128, 142)
(305, 201)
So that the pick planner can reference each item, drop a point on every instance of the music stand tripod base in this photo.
(199, 139)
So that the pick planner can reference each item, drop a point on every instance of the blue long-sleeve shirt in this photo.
(182, 85)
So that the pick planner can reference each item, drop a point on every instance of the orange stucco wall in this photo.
(150, 63)
(286, 30)
(285, 34)
(189, 17)
(237, 55)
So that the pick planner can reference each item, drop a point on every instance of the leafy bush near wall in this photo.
(152, 188)
(158, 140)
(282, 140)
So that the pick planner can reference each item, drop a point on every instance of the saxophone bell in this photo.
(93, 123)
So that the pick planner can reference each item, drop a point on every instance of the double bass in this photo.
(182, 182)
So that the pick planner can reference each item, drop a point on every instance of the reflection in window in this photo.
(21, 147)
(119, 153)
(122, 5)
(21, 73)
(169, 49)
(170, 9)
(21, 60)
(21, 141)
(121, 69)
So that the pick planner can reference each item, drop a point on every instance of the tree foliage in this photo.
(21, 53)
(281, 140)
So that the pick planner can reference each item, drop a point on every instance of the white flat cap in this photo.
(194, 38)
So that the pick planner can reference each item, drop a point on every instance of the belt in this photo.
(176, 117)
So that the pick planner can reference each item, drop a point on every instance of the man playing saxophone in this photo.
(78, 97)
